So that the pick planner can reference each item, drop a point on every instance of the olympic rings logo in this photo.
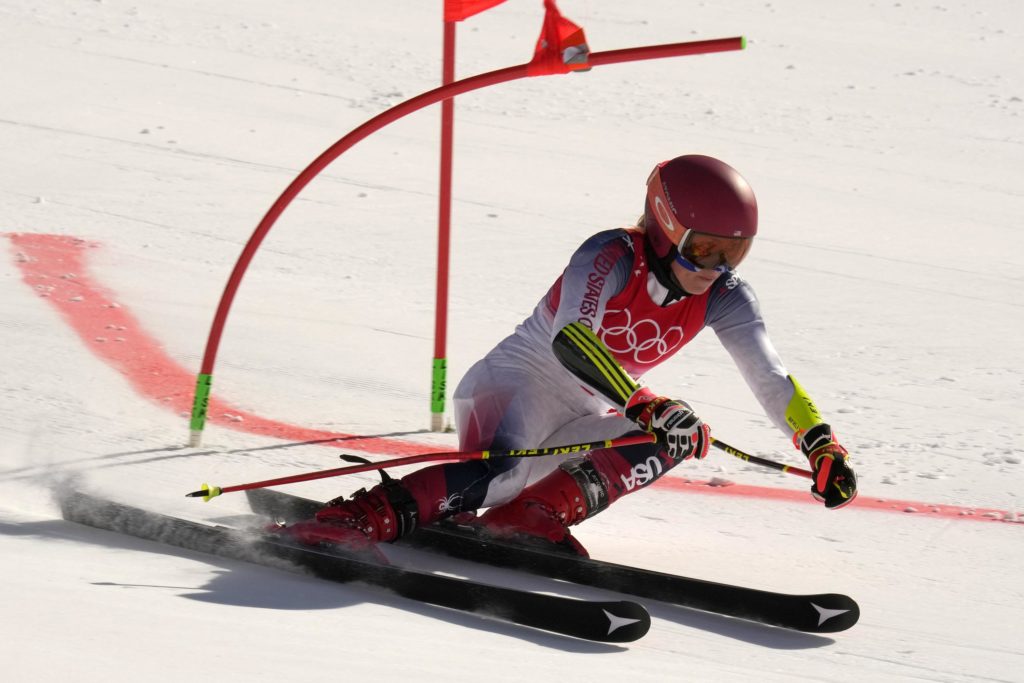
(643, 339)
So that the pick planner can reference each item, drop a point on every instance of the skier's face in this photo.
(694, 282)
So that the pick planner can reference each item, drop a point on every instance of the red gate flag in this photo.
(457, 10)
(561, 48)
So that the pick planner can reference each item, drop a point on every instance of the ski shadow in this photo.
(282, 587)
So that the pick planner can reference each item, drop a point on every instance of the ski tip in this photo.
(206, 493)
(627, 621)
(833, 613)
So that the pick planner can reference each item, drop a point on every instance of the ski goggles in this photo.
(702, 251)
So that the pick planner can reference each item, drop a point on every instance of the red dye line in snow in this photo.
(54, 266)
(863, 502)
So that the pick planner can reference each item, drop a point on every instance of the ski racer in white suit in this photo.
(628, 300)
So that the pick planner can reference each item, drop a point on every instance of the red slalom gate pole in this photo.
(207, 492)
(439, 369)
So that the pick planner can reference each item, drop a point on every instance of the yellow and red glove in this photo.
(835, 484)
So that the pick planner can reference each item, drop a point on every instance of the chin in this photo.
(691, 282)
(698, 285)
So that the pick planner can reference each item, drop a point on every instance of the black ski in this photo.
(818, 613)
(616, 622)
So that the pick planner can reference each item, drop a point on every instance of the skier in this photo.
(628, 300)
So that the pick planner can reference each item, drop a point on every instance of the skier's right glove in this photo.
(835, 484)
(674, 423)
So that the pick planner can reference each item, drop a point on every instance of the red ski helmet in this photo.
(700, 194)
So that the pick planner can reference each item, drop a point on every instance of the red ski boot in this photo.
(545, 510)
(382, 514)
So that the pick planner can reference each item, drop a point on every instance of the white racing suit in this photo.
(521, 396)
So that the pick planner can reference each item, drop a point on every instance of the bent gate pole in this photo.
(205, 377)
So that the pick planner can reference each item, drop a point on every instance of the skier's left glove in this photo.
(677, 428)
(835, 484)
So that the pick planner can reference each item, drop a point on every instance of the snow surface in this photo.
(885, 141)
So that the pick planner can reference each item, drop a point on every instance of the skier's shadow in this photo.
(240, 584)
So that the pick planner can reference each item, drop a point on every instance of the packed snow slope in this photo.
(143, 142)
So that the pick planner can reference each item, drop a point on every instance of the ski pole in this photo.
(207, 492)
(761, 461)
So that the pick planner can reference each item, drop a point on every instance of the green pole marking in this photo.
(437, 386)
(201, 402)
(743, 42)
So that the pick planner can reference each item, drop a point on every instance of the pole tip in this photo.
(743, 42)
